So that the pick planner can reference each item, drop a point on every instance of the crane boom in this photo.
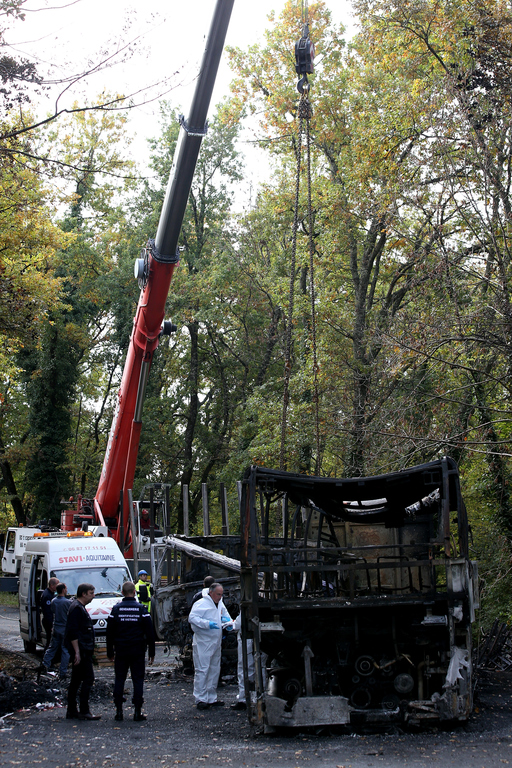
(154, 272)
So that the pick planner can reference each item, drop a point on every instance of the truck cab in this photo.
(14, 547)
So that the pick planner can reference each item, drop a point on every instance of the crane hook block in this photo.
(304, 53)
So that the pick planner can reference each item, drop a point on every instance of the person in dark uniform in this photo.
(80, 642)
(129, 633)
(60, 608)
(45, 604)
(208, 581)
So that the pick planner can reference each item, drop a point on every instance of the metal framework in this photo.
(360, 594)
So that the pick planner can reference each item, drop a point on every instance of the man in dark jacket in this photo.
(60, 608)
(208, 581)
(80, 641)
(45, 604)
(129, 632)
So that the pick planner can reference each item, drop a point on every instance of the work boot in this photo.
(119, 713)
(138, 716)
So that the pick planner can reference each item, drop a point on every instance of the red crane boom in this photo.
(154, 272)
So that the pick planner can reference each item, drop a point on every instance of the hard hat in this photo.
(142, 573)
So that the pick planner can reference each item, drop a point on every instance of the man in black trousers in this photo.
(129, 633)
(79, 639)
(45, 605)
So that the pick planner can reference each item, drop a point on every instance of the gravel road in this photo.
(175, 733)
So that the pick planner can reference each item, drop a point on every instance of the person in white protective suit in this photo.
(207, 617)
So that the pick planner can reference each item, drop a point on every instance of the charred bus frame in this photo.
(363, 604)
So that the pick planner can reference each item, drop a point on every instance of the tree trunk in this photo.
(10, 485)
(193, 408)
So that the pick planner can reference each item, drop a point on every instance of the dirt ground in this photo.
(34, 731)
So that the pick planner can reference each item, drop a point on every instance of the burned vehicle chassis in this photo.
(179, 565)
(361, 611)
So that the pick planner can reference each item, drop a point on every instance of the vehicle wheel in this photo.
(29, 646)
(156, 623)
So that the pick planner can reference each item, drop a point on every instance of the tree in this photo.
(199, 422)
(23, 82)
(458, 57)
(367, 266)
(69, 329)
(29, 244)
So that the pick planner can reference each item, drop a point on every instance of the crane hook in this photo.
(303, 84)
(304, 58)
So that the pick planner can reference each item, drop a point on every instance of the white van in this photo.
(16, 540)
(74, 558)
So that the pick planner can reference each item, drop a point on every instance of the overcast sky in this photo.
(168, 35)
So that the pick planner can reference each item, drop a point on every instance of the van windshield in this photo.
(107, 581)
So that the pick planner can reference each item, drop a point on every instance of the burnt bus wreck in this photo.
(179, 565)
(362, 606)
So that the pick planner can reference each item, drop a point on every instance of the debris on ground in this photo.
(24, 683)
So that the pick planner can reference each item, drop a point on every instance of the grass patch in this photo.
(9, 599)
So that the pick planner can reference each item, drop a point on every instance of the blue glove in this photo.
(213, 625)
(229, 629)
(224, 619)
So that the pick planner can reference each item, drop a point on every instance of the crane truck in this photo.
(109, 517)
(154, 271)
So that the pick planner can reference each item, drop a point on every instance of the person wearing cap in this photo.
(145, 524)
(144, 589)
(145, 520)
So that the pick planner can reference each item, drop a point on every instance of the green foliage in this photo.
(489, 547)
(50, 392)
(70, 300)
(411, 148)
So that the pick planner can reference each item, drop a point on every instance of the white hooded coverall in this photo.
(237, 626)
(206, 647)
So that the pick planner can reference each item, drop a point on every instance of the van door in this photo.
(34, 623)
(33, 576)
(27, 600)
(23, 594)
(9, 564)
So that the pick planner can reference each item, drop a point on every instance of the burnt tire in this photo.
(29, 646)
(156, 623)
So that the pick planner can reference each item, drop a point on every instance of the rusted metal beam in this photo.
(193, 550)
